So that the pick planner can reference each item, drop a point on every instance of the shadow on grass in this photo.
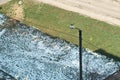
(109, 55)
(0, 7)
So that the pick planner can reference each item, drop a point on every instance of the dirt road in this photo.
(104, 10)
(3, 1)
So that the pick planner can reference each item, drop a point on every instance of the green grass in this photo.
(48, 18)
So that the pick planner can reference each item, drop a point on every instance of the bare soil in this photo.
(17, 12)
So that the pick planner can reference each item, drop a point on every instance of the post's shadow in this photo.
(109, 55)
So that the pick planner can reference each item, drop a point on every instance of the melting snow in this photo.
(2, 32)
(27, 53)
(2, 19)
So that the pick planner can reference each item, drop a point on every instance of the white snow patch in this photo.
(49, 59)
(2, 32)
(76, 63)
(2, 19)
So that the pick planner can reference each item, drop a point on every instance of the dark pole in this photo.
(80, 50)
(80, 53)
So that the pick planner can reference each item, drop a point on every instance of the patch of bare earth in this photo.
(16, 12)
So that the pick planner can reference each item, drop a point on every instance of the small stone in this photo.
(20, 2)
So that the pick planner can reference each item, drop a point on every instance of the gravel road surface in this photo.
(104, 10)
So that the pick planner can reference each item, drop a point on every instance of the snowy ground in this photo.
(5, 76)
(27, 53)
